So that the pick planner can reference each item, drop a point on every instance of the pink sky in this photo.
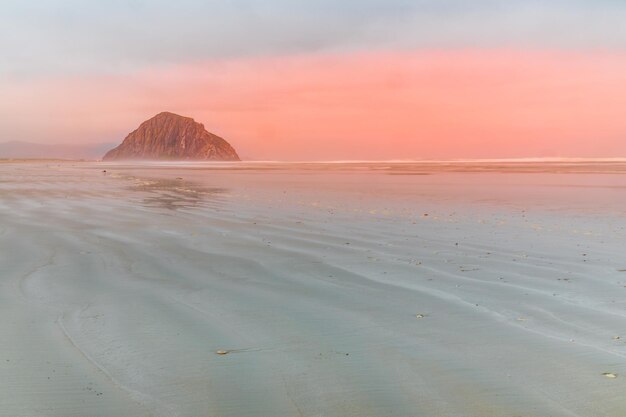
(463, 103)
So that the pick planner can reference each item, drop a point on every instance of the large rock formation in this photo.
(168, 136)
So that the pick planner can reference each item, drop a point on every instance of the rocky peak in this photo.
(169, 136)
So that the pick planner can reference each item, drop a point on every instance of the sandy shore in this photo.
(368, 291)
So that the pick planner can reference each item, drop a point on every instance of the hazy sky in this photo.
(323, 79)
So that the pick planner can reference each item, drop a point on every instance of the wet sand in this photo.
(333, 289)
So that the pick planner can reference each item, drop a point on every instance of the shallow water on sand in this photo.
(334, 289)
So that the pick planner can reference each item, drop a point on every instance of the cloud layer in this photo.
(323, 79)
(78, 36)
(365, 105)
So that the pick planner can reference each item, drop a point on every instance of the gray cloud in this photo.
(83, 36)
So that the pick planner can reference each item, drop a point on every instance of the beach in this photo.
(313, 289)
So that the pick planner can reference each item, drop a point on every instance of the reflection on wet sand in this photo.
(174, 194)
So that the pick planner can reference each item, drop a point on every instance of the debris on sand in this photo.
(468, 268)
(222, 352)
(609, 375)
(420, 316)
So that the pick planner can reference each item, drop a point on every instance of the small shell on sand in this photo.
(222, 352)
(609, 375)
(420, 316)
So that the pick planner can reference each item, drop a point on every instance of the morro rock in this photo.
(168, 136)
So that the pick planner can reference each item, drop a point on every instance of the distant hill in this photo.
(30, 150)
(168, 136)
